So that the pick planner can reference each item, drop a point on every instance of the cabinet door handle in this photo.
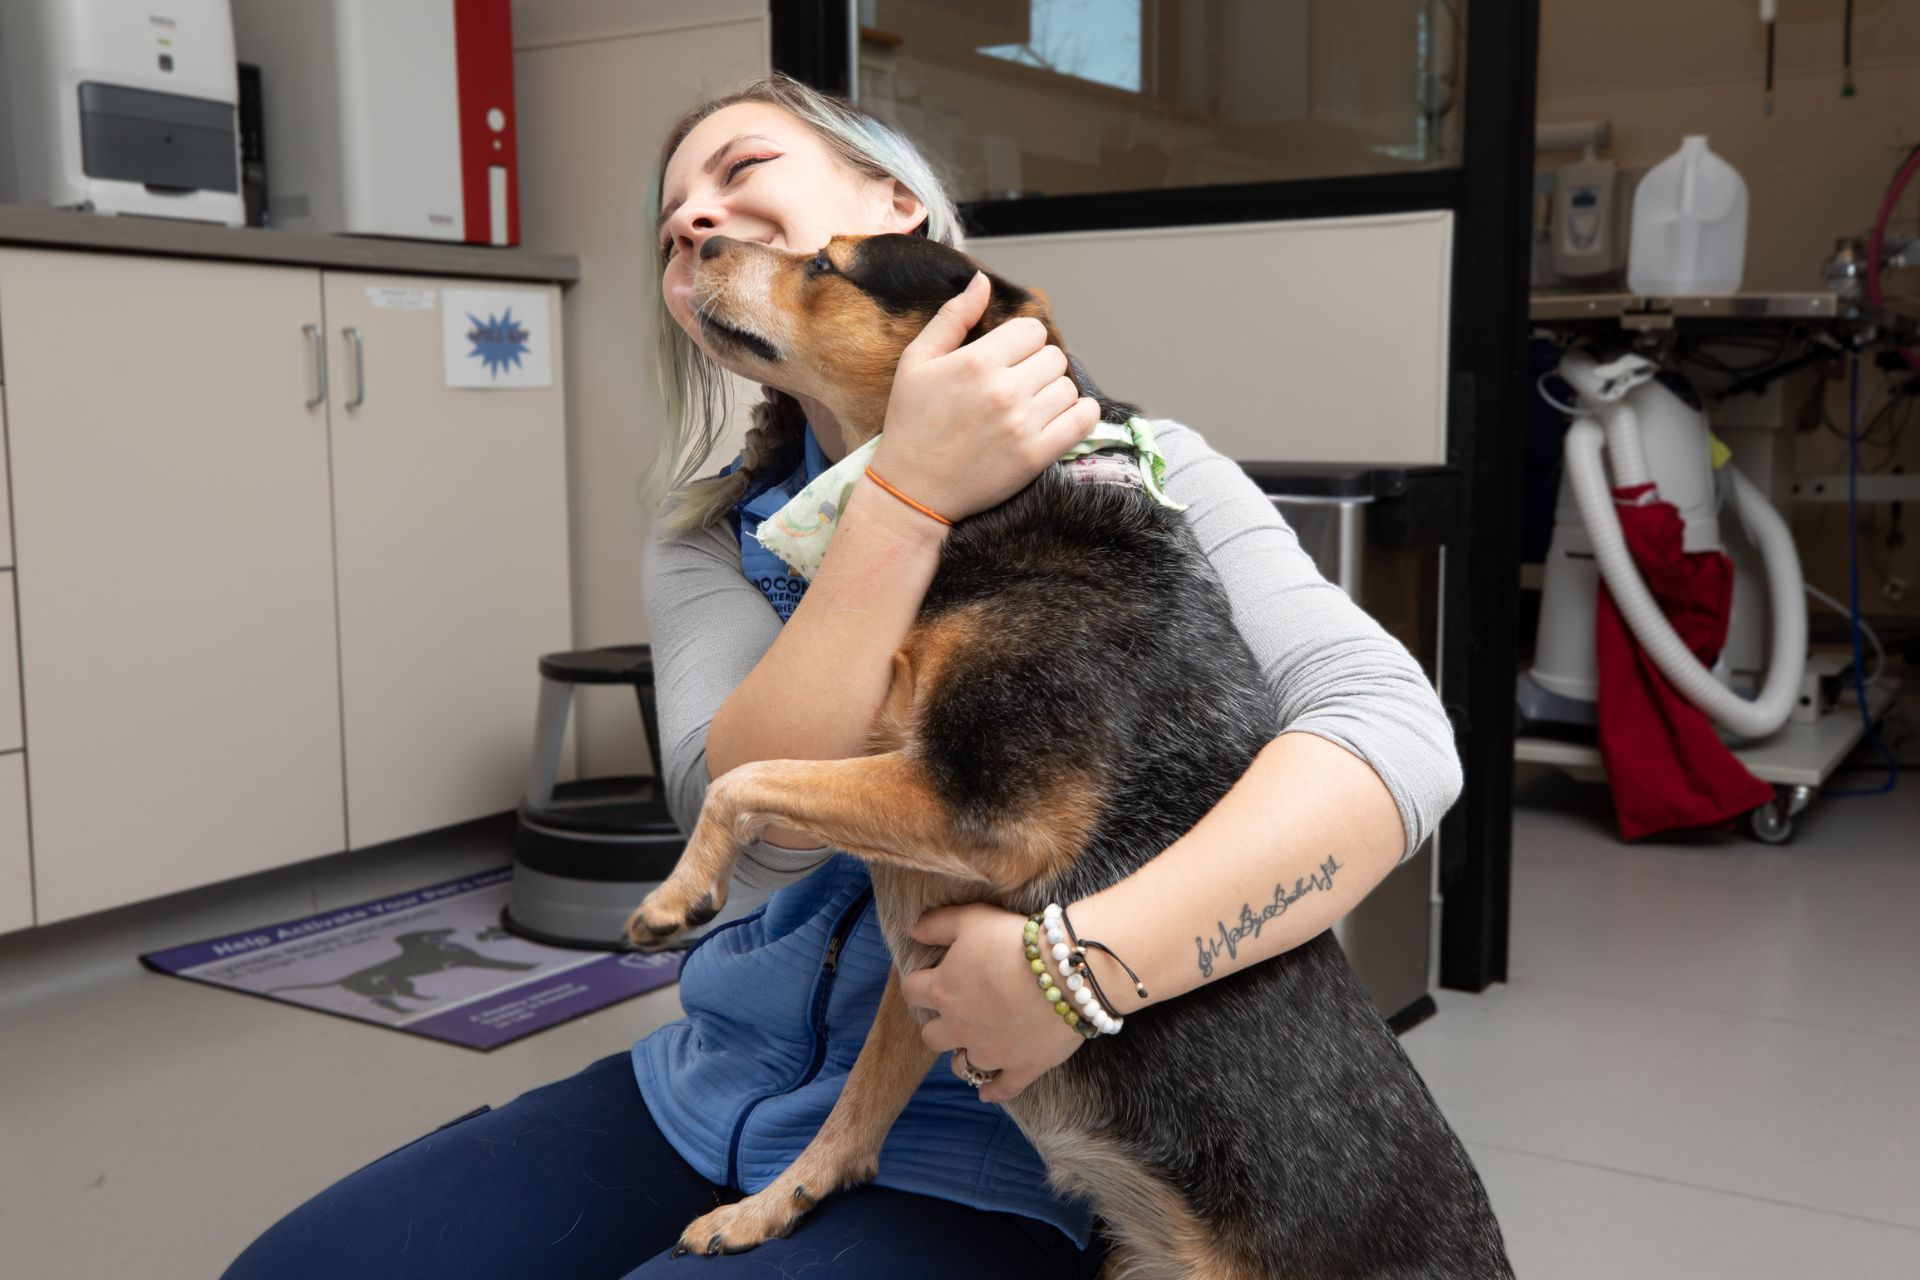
(318, 341)
(359, 367)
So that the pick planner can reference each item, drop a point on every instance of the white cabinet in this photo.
(16, 866)
(16, 857)
(257, 626)
(12, 735)
(6, 507)
(452, 551)
(174, 541)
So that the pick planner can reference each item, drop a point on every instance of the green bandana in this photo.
(799, 532)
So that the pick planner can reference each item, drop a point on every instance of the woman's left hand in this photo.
(985, 999)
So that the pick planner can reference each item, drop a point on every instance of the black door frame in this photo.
(1490, 196)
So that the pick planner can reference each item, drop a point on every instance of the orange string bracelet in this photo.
(925, 511)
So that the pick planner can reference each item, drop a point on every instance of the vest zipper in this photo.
(829, 967)
(715, 932)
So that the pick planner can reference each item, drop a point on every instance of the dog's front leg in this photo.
(696, 889)
(883, 808)
(845, 1152)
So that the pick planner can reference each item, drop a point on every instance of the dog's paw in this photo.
(670, 911)
(734, 1228)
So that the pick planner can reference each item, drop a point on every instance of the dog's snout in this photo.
(713, 247)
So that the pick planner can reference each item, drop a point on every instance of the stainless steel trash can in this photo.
(1376, 532)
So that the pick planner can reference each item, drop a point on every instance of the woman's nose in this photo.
(691, 229)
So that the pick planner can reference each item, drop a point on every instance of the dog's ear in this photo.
(1010, 300)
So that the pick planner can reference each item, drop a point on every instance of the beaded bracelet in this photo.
(1078, 948)
(1036, 960)
(1070, 951)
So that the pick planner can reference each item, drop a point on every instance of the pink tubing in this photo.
(1875, 241)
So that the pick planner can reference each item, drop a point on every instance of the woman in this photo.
(592, 1176)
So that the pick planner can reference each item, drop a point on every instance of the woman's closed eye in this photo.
(733, 170)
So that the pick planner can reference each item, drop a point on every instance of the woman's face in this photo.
(753, 172)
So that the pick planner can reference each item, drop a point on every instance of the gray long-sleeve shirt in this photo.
(1334, 671)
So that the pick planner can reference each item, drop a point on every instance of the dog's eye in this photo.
(821, 264)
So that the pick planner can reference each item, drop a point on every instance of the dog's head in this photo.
(831, 325)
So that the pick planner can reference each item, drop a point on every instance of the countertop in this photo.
(67, 229)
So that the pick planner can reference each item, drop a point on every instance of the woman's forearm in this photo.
(1299, 840)
(816, 692)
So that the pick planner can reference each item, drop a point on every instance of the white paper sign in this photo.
(495, 339)
(399, 297)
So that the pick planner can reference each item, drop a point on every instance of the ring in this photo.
(972, 1074)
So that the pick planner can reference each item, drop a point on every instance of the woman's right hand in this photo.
(968, 427)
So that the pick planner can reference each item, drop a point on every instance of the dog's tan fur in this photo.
(846, 1152)
(1158, 1236)
(842, 349)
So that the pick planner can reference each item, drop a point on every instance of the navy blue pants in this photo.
(573, 1179)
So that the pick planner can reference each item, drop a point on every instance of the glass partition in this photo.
(1022, 98)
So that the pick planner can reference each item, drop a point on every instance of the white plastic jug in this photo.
(1689, 225)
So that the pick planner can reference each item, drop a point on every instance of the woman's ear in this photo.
(904, 209)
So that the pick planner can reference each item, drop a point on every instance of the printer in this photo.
(387, 117)
(120, 108)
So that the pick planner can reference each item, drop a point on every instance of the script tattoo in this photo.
(1252, 921)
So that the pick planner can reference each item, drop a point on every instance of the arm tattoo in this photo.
(1251, 921)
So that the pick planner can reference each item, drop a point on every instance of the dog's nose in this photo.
(714, 247)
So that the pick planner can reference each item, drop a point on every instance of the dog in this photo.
(1265, 1124)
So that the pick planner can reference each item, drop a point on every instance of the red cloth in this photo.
(1668, 768)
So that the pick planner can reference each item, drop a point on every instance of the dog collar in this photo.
(799, 531)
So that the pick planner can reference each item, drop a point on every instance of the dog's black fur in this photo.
(1097, 644)
(1275, 1098)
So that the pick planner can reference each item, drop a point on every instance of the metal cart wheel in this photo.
(1769, 824)
(1773, 822)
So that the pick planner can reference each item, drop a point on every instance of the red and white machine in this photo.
(387, 117)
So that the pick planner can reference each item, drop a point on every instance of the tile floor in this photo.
(1707, 1062)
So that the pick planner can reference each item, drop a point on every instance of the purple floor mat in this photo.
(435, 962)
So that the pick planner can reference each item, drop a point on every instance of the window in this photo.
(1017, 98)
(1096, 40)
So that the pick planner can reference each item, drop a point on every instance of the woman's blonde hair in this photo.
(693, 389)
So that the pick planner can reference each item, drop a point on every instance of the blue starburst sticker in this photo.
(498, 341)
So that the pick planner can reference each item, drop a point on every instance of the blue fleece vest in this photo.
(764, 569)
(779, 1003)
